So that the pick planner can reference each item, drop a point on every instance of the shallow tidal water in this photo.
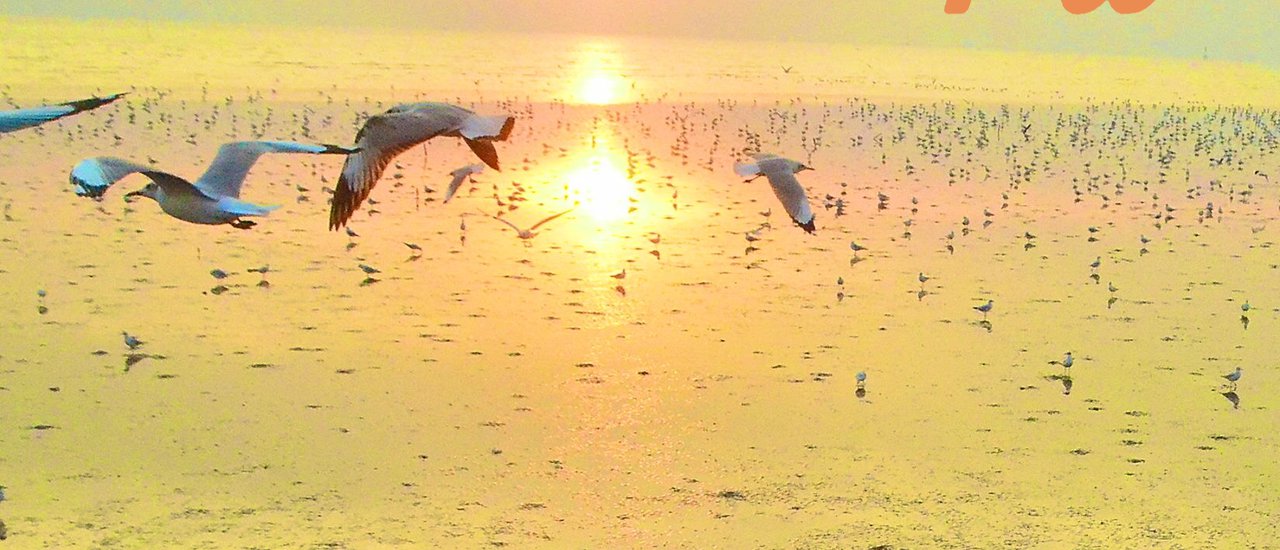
(485, 392)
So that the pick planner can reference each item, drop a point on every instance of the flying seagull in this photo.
(213, 199)
(386, 135)
(35, 116)
(781, 173)
(526, 234)
(459, 176)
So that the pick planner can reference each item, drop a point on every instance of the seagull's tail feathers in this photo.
(242, 208)
(493, 128)
(746, 169)
(485, 151)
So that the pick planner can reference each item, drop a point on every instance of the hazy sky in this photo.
(1243, 30)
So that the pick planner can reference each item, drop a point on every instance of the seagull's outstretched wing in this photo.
(549, 218)
(381, 139)
(226, 174)
(459, 176)
(509, 224)
(92, 176)
(386, 135)
(35, 116)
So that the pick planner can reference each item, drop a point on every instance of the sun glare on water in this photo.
(598, 180)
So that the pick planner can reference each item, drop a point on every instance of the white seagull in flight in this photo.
(459, 176)
(526, 234)
(781, 173)
(25, 118)
(213, 199)
(386, 135)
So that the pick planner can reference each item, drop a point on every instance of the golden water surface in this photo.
(641, 374)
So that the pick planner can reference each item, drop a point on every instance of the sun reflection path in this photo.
(597, 179)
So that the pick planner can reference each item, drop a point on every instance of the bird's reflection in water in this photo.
(1244, 320)
(985, 324)
(921, 294)
(1233, 398)
(132, 359)
(1066, 385)
(861, 393)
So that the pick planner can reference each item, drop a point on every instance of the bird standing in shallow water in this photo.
(131, 341)
(1066, 363)
(1234, 377)
(985, 308)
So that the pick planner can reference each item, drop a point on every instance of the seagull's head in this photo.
(149, 191)
(800, 167)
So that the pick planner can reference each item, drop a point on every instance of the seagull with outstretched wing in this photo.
(781, 173)
(386, 135)
(526, 234)
(460, 175)
(213, 199)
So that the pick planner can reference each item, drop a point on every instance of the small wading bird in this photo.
(213, 199)
(25, 118)
(1066, 363)
(131, 341)
(526, 234)
(985, 308)
(1234, 376)
(781, 173)
(385, 136)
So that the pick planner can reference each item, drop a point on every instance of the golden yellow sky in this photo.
(1238, 30)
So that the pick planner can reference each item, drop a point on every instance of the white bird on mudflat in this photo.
(781, 173)
(386, 135)
(25, 118)
(459, 176)
(213, 199)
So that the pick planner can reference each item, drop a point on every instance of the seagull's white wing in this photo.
(92, 176)
(509, 224)
(242, 208)
(746, 169)
(459, 176)
(226, 174)
(791, 194)
(381, 139)
(35, 116)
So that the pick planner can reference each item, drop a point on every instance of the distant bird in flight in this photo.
(526, 234)
(213, 199)
(460, 175)
(385, 136)
(25, 118)
(781, 173)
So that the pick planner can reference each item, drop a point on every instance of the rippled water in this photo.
(485, 392)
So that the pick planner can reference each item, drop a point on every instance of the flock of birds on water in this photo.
(215, 197)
